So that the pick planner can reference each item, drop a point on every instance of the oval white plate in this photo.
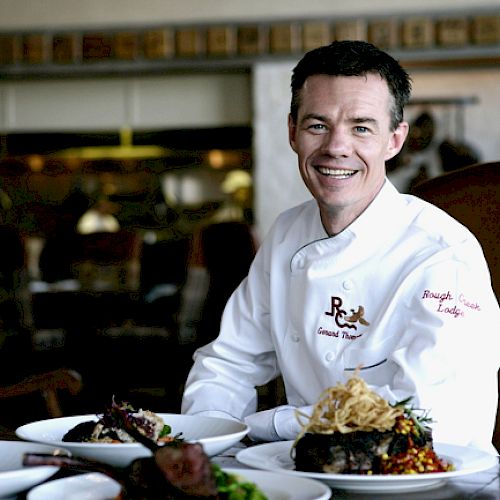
(14, 477)
(276, 457)
(96, 486)
(92, 486)
(215, 435)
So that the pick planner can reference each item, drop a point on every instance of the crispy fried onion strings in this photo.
(348, 408)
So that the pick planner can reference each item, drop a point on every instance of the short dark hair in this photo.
(353, 58)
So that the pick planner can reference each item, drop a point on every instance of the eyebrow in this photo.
(314, 116)
(362, 119)
(355, 120)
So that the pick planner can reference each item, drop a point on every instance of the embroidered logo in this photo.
(445, 303)
(344, 319)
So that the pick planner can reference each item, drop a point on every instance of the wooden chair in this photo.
(472, 196)
(48, 384)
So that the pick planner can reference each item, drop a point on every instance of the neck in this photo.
(337, 218)
(335, 223)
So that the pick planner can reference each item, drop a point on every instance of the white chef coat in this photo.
(403, 293)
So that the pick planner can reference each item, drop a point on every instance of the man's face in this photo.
(342, 138)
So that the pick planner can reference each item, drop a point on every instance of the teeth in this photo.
(337, 172)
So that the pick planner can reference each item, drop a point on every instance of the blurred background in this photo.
(144, 155)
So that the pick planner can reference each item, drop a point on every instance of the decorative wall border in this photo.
(419, 40)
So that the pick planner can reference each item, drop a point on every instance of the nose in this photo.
(336, 143)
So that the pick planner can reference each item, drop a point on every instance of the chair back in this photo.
(472, 196)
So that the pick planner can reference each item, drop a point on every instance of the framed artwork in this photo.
(158, 44)
(486, 30)
(284, 38)
(384, 33)
(126, 45)
(221, 40)
(316, 34)
(35, 49)
(97, 47)
(65, 48)
(189, 42)
(417, 32)
(350, 30)
(10, 49)
(475, 37)
(252, 40)
(452, 32)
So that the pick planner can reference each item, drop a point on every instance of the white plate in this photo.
(277, 487)
(276, 457)
(96, 486)
(215, 434)
(14, 477)
(92, 486)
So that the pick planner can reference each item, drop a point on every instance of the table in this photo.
(480, 486)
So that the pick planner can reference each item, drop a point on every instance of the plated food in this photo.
(356, 441)
(174, 470)
(97, 486)
(276, 457)
(354, 430)
(108, 430)
(214, 434)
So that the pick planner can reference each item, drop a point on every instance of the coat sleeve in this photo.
(226, 372)
(448, 354)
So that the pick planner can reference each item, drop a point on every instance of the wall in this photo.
(148, 103)
(42, 13)
(260, 99)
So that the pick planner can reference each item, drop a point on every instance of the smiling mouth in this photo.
(338, 173)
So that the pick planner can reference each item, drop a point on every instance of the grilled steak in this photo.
(354, 452)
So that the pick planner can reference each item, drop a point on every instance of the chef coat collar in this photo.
(377, 223)
(384, 212)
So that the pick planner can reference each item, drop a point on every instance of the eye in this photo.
(316, 127)
(361, 130)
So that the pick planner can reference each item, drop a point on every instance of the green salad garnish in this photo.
(234, 487)
(165, 431)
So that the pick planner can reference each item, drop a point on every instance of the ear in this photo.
(397, 140)
(292, 130)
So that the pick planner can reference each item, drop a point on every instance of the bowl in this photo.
(214, 434)
(14, 476)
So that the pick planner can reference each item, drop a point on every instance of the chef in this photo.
(359, 278)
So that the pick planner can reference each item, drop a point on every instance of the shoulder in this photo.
(292, 229)
(443, 245)
(302, 213)
(298, 226)
(438, 225)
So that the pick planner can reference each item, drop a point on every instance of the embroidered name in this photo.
(437, 295)
(455, 310)
(337, 333)
(467, 303)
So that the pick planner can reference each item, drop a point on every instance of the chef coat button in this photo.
(329, 356)
(347, 284)
(295, 338)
